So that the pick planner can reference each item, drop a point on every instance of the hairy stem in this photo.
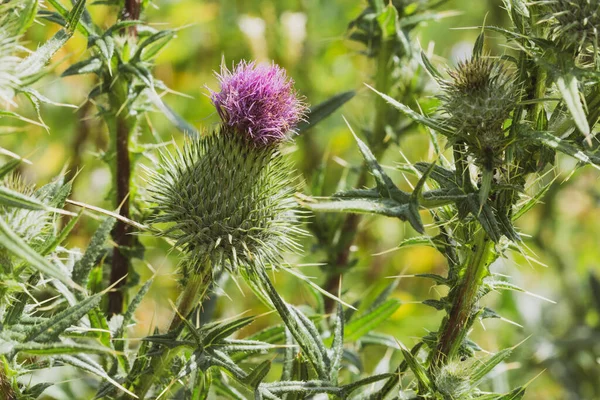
(464, 299)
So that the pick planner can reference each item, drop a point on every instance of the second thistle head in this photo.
(228, 197)
(258, 101)
(575, 25)
(477, 100)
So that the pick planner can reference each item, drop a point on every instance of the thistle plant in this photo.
(497, 124)
(227, 197)
(228, 202)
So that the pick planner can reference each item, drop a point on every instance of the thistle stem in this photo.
(120, 234)
(194, 291)
(464, 299)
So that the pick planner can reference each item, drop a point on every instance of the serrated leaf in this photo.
(56, 325)
(51, 349)
(219, 331)
(256, 376)
(82, 268)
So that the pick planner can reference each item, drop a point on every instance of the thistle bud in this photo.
(228, 196)
(575, 24)
(453, 380)
(476, 101)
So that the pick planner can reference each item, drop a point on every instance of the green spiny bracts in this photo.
(575, 25)
(476, 102)
(453, 380)
(227, 201)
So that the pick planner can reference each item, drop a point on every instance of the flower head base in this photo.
(258, 101)
(227, 202)
(575, 25)
(477, 100)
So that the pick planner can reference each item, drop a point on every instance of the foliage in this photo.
(229, 209)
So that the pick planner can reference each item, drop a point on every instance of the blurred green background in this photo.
(309, 39)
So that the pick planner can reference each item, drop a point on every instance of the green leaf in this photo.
(171, 115)
(38, 59)
(429, 66)
(91, 65)
(418, 370)
(365, 323)
(323, 110)
(13, 198)
(219, 331)
(414, 115)
(151, 46)
(256, 376)
(82, 268)
(548, 139)
(567, 85)
(87, 364)
(478, 47)
(8, 167)
(53, 327)
(388, 21)
(51, 349)
(19, 248)
(300, 327)
(484, 367)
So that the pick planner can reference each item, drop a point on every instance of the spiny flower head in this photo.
(575, 24)
(227, 201)
(477, 100)
(258, 101)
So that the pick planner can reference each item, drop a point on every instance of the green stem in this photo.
(464, 299)
(382, 84)
(194, 291)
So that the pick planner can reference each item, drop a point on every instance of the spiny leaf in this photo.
(51, 349)
(82, 268)
(414, 115)
(55, 326)
(38, 59)
(19, 248)
(484, 367)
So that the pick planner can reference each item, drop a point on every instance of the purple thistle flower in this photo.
(258, 101)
